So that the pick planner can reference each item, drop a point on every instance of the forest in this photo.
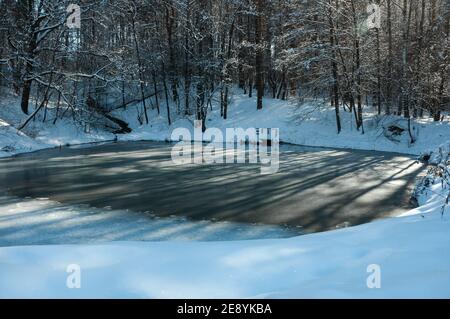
(181, 55)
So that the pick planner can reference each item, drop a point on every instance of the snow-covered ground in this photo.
(410, 251)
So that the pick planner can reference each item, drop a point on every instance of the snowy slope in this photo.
(38, 135)
(310, 124)
(13, 142)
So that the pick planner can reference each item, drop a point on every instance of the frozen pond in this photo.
(315, 189)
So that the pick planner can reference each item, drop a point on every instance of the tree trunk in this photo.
(390, 58)
(259, 55)
(334, 68)
(138, 56)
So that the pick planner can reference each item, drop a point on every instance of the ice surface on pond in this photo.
(44, 222)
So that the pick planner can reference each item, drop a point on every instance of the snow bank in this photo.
(309, 124)
(13, 142)
(437, 156)
(38, 134)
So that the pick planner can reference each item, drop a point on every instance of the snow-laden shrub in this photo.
(437, 157)
(438, 174)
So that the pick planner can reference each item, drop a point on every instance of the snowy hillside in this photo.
(310, 124)
(13, 141)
